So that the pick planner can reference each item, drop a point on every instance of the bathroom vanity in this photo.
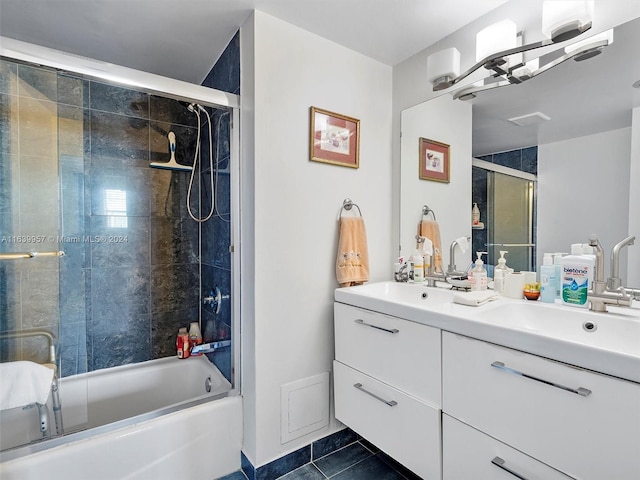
(506, 390)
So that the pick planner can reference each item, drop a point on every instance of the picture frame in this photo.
(334, 139)
(434, 161)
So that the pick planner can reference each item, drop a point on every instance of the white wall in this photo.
(448, 122)
(572, 200)
(291, 213)
(633, 259)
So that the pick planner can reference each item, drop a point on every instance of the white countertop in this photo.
(603, 342)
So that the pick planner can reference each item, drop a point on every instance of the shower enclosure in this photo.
(100, 261)
(506, 199)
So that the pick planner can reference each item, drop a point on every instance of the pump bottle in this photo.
(500, 273)
(478, 275)
(548, 280)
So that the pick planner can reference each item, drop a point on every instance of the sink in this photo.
(405, 300)
(557, 331)
(603, 342)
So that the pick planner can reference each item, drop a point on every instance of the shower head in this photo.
(187, 105)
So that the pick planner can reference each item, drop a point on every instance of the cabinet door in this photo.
(580, 422)
(470, 454)
(400, 425)
(399, 352)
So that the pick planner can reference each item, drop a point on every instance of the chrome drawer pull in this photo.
(391, 403)
(583, 392)
(362, 322)
(499, 462)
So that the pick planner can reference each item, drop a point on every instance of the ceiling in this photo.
(580, 98)
(182, 39)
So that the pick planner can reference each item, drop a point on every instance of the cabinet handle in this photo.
(583, 392)
(499, 462)
(391, 403)
(392, 330)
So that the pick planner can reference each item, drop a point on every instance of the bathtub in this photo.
(165, 418)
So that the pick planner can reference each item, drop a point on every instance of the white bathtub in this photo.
(134, 425)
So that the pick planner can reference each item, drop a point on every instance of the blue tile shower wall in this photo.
(130, 276)
(216, 233)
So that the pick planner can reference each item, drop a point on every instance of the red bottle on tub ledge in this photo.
(183, 348)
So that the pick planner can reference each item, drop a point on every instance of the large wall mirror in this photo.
(584, 163)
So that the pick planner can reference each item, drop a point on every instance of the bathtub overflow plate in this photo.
(207, 384)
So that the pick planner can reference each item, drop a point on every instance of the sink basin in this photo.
(405, 300)
(604, 342)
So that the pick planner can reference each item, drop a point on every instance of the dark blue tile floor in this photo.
(358, 461)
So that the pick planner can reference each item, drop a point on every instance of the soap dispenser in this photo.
(478, 275)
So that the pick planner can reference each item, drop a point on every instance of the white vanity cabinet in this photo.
(388, 386)
(584, 424)
(471, 454)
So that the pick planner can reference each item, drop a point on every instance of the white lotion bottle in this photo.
(478, 277)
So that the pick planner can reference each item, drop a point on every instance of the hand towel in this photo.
(474, 299)
(431, 230)
(24, 383)
(352, 264)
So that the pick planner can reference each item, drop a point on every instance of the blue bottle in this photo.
(548, 280)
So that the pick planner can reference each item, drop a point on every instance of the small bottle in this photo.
(478, 275)
(418, 267)
(195, 336)
(475, 215)
(183, 348)
(547, 280)
(557, 263)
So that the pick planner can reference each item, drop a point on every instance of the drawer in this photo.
(398, 352)
(583, 423)
(468, 453)
(400, 425)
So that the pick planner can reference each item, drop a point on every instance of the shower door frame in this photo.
(170, 88)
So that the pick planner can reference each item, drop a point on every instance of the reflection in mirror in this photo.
(587, 154)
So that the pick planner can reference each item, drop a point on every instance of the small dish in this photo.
(531, 294)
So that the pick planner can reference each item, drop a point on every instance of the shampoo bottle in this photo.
(478, 275)
(577, 277)
(547, 280)
(475, 215)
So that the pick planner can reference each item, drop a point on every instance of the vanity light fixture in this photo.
(500, 49)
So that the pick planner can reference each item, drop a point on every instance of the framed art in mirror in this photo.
(335, 138)
(434, 161)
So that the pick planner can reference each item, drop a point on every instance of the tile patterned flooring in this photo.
(357, 461)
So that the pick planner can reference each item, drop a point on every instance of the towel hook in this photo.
(347, 204)
(426, 210)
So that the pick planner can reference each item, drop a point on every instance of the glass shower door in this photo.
(510, 211)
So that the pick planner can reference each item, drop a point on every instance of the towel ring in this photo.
(347, 204)
(426, 211)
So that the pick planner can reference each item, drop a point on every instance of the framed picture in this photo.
(434, 161)
(335, 138)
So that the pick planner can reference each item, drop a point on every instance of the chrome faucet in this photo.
(451, 270)
(610, 292)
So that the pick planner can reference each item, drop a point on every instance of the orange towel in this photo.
(431, 230)
(352, 264)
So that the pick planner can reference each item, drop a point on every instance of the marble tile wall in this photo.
(75, 168)
(216, 233)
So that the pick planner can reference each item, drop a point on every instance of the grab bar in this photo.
(34, 333)
(19, 255)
